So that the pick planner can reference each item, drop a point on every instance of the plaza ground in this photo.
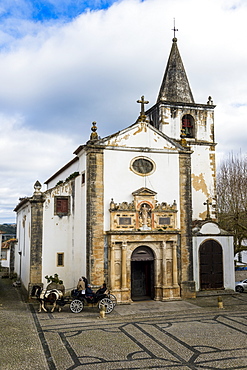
(191, 334)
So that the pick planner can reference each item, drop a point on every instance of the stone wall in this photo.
(240, 275)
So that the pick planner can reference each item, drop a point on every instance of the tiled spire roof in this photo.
(175, 85)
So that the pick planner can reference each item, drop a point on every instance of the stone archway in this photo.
(142, 273)
(211, 265)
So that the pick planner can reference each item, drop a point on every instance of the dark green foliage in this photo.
(53, 279)
(8, 228)
(72, 176)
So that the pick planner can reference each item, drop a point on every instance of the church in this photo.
(136, 209)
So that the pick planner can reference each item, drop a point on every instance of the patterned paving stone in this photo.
(179, 335)
(186, 341)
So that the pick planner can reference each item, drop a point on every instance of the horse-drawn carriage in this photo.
(76, 300)
(108, 301)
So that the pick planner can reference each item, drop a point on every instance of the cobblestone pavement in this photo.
(144, 335)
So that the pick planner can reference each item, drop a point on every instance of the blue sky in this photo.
(45, 10)
(64, 64)
(15, 13)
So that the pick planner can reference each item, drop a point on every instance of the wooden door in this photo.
(211, 265)
(141, 279)
(138, 279)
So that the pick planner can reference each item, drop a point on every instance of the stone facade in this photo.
(132, 226)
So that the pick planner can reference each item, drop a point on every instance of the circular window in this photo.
(142, 166)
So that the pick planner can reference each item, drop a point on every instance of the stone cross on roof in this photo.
(207, 203)
(142, 101)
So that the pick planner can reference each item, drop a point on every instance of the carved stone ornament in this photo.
(144, 213)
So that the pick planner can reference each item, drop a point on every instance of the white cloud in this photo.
(60, 77)
(26, 156)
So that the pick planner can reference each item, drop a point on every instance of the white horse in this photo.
(47, 296)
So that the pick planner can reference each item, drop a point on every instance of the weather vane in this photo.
(174, 29)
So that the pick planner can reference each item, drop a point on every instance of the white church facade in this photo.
(136, 209)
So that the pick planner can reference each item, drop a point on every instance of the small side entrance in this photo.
(142, 274)
(211, 265)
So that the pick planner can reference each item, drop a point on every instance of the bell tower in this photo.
(176, 113)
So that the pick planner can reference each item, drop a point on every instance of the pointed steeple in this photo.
(175, 85)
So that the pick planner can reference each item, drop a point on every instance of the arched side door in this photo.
(211, 265)
(142, 273)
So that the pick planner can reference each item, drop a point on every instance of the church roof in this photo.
(61, 170)
(175, 85)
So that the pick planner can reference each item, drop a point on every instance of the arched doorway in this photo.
(211, 265)
(142, 273)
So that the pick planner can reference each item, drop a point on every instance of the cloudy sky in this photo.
(66, 63)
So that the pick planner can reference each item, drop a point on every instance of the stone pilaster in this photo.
(163, 264)
(186, 275)
(174, 265)
(112, 266)
(124, 266)
(36, 241)
(95, 214)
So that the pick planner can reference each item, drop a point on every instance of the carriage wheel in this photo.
(113, 299)
(76, 306)
(107, 302)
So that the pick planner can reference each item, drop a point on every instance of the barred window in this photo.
(60, 259)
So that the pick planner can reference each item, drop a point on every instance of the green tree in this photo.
(232, 197)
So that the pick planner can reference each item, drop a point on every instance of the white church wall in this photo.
(121, 181)
(202, 180)
(63, 235)
(204, 125)
(171, 126)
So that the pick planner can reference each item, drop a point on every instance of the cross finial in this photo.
(174, 29)
(207, 203)
(142, 101)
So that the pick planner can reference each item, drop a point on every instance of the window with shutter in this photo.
(62, 206)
